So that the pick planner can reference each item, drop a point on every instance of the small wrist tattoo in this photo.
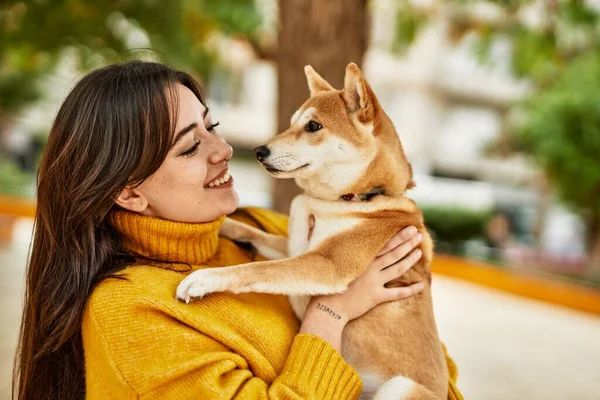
(329, 311)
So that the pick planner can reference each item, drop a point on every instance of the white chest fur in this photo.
(328, 222)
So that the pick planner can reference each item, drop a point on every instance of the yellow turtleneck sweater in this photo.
(140, 342)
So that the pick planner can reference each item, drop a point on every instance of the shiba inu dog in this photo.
(343, 151)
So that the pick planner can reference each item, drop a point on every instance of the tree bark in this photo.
(325, 34)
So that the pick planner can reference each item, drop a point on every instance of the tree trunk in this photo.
(325, 34)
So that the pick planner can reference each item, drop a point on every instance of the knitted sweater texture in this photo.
(141, 343)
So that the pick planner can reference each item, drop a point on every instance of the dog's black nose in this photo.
(261, 152)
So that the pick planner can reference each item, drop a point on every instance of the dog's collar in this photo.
(377, 190)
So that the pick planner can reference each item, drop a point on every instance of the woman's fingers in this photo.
(398, 239)
(397, 293)
(399, 268)
(399, 252)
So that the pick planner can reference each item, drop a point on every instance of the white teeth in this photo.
(218, 182)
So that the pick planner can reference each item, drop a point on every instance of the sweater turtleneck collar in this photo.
(163, 240)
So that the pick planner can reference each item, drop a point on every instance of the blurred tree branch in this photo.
(263, 50)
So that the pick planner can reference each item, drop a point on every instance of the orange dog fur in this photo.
(341, 143)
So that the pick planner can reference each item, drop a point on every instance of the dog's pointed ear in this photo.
(316, 83)
(357, 93)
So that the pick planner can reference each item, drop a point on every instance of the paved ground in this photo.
(506, 347)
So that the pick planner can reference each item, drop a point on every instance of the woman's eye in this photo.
(313, 126)
(192, 150)
(212, 127)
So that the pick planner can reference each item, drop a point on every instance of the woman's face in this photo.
(193, 183)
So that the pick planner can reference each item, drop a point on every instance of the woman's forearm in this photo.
(324, 321)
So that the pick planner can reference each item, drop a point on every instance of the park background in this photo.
(497, 104)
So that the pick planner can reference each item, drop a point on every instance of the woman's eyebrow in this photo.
(189, 128)
(183, 132)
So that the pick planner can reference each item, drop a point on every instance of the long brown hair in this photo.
(114, 129)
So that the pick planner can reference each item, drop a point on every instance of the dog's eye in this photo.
(313, 126)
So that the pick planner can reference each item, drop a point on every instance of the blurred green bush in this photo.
(452, 226)
(13, 181)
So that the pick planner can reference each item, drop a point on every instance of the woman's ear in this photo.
(132, 199)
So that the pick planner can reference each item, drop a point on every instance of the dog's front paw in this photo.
(200, 283)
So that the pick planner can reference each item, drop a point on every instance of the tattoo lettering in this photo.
(329, 311)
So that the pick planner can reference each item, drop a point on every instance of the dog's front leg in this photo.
(270, 246)
(308, 274)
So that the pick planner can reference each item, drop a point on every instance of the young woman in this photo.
(132, 190)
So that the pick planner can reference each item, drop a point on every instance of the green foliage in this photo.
(33, 33)
(17, 87)
(541, 52)
(13, 180)
(235, 17)
(409, 22)
(561, 130)
(454, 225)
(535, 54)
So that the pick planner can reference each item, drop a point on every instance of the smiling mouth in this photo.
(275, 170)
(222, 179)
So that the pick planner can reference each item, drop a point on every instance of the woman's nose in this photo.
(222, 152)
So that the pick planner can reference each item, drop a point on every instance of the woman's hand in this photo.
(368, 290)
(327, 314)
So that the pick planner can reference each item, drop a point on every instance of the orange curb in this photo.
(527, 284)
(16, 206)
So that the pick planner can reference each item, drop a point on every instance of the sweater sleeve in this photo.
(314, 370)
(155, 354)
(453, 391)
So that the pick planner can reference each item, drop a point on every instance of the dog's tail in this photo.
(402, 388)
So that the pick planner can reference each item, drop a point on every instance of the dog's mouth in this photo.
(276, 171)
